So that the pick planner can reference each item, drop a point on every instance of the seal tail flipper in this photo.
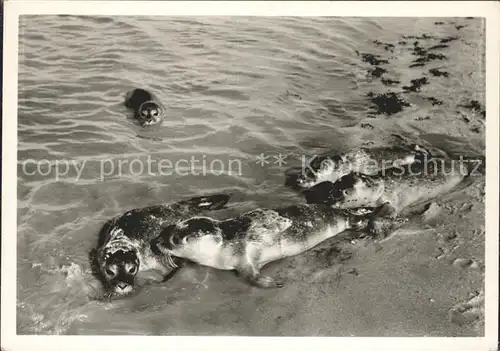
(209, 202)
(252, 276)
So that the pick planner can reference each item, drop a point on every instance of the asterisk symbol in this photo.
(280, 159)
(262, 160)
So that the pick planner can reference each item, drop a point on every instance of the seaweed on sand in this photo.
(388, 103)
(448, 39)
(416, 84)
(387, 46)
(440, 46)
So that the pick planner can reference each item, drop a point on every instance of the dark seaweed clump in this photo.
(429, 57)
(437, 73)
(438, 23)
(389, 81)
(465, 118)
(475, 106)
(387, 46)
(416, 84)
(417, 65)
(423, 36)
(424, 55)
(433, 100)
(388, 103)
(372, 59)
(448, 39)
(422, 118)
(460, 27)
(377, 72)
(476, 129)
(418, 50)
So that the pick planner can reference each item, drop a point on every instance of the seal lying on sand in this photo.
(330, 167)
(250, 241)
(124, 251)
(396, 188)
(147, 109)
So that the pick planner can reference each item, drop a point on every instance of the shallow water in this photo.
(234, 88)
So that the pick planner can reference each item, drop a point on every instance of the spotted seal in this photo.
(395, 188)
(123, 252)
(331, 166)
(248, 242)
(147, 108)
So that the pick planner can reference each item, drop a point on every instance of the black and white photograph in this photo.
(250, 175)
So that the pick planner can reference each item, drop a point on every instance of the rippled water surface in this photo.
(234, 88)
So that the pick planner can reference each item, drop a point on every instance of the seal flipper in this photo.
(253, 277)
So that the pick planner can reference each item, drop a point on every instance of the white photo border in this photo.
(13, 9)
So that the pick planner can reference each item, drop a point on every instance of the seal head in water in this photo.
(248, 242)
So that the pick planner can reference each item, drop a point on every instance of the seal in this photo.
(393, 188)
(123, 252)
(147, 108)
(250, 241)
(331, 167)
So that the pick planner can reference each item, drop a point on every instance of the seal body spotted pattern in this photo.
(248, 242)
(395, 188)
(123, 253)
(331, 167)
(147, 108)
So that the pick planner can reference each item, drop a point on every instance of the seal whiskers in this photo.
(331, 167)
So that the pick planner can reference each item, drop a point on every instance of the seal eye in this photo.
(345, 192)
(109, 272)
(132, 270)
(154, 113)
(144, 113)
